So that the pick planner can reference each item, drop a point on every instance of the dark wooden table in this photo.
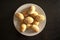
(50, 32)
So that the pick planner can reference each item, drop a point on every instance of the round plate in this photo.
(28, 32)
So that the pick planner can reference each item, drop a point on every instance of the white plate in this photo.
(27, 32)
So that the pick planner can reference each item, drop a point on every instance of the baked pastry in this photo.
(31, 9)
(35, 28)
(34, 14)
(23, 27)
(20, 16)
(36, 23)
(25, 12)
(40, 18)
(28, 20)
(28, 26)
